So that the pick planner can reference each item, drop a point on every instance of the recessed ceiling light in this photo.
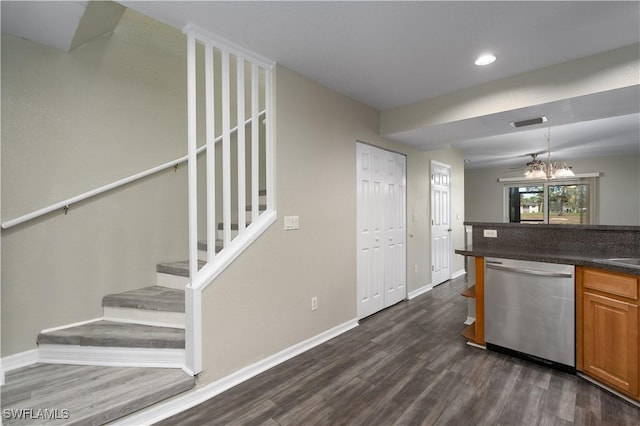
(485, 59)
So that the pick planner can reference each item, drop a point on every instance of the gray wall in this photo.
(618, 193)
(72, 122)
(261, 304)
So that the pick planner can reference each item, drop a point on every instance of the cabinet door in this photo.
(611, 342)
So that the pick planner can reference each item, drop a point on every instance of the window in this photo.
(568, 202)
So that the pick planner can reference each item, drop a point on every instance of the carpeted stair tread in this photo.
(116, 334)
(234, 226)
(202, 245)
(261, 207)
(91, 395)
(180, 268)
(153, 298)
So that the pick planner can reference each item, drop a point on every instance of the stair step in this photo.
(153, 298)
(116, 334)
(261, 207)
(93, 395)
(180, 268)
(202, 246)
(234, 226)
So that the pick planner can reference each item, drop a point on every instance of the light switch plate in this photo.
(490, 233)
(291, 222)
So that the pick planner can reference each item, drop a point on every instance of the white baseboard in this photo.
(109, 356)
(475, 345)
(192, 398)
(459, 273)
(75, 324)
(18, 360)
(415, 293)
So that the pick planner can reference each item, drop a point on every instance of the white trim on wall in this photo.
(524, 179)
(19, 360)
(75, 324)
(85, 355)
(458, 273)
(428, 287)
(417, 292)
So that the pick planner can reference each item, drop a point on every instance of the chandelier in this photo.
(538, 169)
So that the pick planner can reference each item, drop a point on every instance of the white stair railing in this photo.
(230, 62)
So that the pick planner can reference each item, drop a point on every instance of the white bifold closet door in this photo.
(381, 224)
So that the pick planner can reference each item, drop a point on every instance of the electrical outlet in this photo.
(490, 233)
(314, 303)
(415, 268)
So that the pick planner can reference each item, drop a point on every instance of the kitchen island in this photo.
(607, 289)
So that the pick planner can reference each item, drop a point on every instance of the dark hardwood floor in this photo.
(408, 365)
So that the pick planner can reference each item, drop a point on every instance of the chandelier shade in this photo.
(538, 169)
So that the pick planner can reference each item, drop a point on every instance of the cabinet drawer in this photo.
(610, 282)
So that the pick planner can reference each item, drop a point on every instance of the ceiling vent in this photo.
(529, 122)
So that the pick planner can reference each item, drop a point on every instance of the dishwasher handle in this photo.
(528, 271)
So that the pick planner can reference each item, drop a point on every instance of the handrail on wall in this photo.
(64, 204)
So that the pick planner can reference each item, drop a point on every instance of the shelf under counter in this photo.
(474, 332)
(469, 332)
(470, 292)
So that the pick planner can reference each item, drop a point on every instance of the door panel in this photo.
(381, 239)
(440, 224)
(610, 339)
(370, 278)
(395, 260)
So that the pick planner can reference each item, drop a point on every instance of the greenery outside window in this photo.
(570, 202)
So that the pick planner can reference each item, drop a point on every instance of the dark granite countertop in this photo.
(555, 226)
(578, 258)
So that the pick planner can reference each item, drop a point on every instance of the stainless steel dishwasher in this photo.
(530, 310)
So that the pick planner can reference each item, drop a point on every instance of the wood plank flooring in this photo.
(408, 365)
(57, 394)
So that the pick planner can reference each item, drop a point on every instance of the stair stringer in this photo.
(206, 276)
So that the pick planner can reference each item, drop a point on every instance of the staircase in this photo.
(101, 370)
(95, 372)
(137, 353)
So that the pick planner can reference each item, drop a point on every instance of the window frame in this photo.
(592, 181)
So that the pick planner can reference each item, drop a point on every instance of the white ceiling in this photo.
(63, 25)
(391, 53)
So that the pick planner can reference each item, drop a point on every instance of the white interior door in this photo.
(440, 223)
(395, 232)
(381, 224)
(370, 258)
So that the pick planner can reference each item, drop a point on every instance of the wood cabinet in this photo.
(607, 328)
(475, 331)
